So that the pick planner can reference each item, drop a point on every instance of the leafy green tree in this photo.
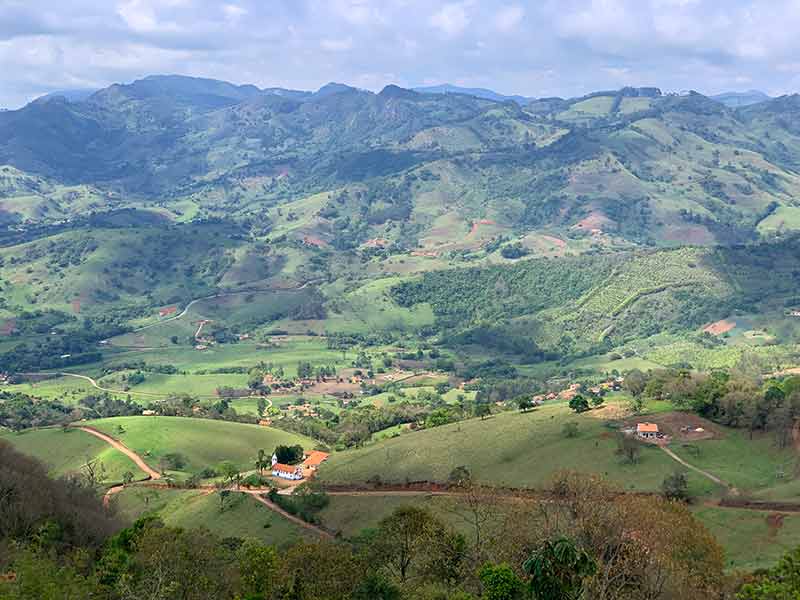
(500, 583)
(289, 455)
(558, 570)
(258, 565)
(403, 538)
(782, 582)
(579, 404)
(675, 486)
(482, 410)
(635, 382)
(127, 477)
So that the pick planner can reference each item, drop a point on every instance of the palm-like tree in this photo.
(558, 570)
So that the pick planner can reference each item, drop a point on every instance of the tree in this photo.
(262, 462)
(525, 404)
(579, 404)
(635, 382)
(403, 537)
(570, 429)
(94, 472)
(127, 478)
(782, 582)
(262, 406)
(558, 570)
(289, 455)
(482, 410)
(636, 404)
(629, 448)
(257, 565)
(500, 582)
(596, 400)
(460, 476)
(675, 486)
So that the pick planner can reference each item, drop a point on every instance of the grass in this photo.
(508, 449)
(66, 452)
(749, 465)
(749, 540)
(243, 516)
(203, 442)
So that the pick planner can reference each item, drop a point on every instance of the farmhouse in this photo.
(647, 430)
(265, 422)
(314, 459)
(169, 310)
(293, 473)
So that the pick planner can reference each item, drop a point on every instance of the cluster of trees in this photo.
(585, 541)
(19, 411)
(734, 398)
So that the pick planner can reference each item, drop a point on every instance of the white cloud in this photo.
(509, 17)
(451, 19)
(337, 45)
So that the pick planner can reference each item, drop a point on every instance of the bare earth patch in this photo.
(680, 426)
(720, 327)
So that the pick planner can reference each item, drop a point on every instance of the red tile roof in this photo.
(647, 428)
(315, 458)
(284, 468)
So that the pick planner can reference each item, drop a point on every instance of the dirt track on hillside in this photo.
(116, 444)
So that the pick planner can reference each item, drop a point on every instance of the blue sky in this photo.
(544, 48)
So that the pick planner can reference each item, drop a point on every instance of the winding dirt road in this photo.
(732, 490)
(116, 444)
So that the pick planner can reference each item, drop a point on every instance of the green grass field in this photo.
(242, 516)
(752, 539)
(66, 452)
(508, 449)
(203, 442)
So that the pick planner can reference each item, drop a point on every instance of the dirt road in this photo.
(116, 444)
(296, 520)
(705, 474)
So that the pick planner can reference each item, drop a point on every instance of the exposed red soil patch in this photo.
(376, 243)
(8, 327)
(76, 306)
(477, 224)
(688, 234)
(311, 240)
(595, 220)
(555, 241)
(169, 310)
(720, 327)
(775, 523)
(425, 253)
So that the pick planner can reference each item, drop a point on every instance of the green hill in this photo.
(202, 443)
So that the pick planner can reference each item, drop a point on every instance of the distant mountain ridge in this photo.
(406, 166)
(488, 94)
(741, 99)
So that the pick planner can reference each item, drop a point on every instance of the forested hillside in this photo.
(412, 168)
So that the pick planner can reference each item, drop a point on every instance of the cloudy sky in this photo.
(533, 47)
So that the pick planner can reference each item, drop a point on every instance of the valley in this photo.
(451, 297)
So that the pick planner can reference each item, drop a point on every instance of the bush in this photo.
(570, 430)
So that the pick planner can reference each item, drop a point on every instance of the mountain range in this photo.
(416, 169)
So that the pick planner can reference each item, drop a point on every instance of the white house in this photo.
(647, 430)
(291, 472)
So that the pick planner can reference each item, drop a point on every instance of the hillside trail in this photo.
(117, 445)
(154, 475)
(220, 295)
(731, 490)
(290, 517)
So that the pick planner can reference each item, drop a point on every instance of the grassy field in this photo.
(508, 449)
(752, 539)
(66, 452)
(752, 466)
(203, 442)
(242, 516)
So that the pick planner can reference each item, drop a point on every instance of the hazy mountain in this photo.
(632, 164)
(739, 99)
(69, 95)
(447, 88)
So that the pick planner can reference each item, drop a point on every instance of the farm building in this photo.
(291, 472)
(647, 430)
(169, 310)
(265, 422)
(314, 459)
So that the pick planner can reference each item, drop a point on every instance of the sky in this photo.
(536, 48)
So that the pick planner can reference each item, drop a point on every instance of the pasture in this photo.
(201, 442)
(508, 449)
(242, 516)
(65, 452)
